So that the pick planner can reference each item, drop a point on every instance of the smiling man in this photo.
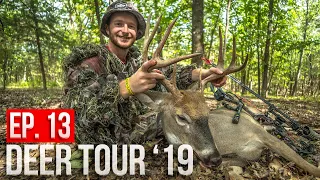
(122, 30)
(101, 81)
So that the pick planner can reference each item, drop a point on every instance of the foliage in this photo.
(64, 24)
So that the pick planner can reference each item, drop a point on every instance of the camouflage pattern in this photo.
(92, 74)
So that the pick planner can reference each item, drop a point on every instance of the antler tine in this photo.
(167, 62)
(232, 67)
(171, 88)
(174, 77)
(156, 54)
(147, 39)
(234, 52)
(163, 40)
(220, 57)
(145, 42)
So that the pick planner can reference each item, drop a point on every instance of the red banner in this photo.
(40, 125)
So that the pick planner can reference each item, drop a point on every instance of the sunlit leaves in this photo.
(68, 23)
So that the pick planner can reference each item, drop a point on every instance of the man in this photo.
(101, 82)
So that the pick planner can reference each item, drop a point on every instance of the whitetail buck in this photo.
(186, 118)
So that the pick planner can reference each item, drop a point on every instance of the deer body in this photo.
(247, 140)
(243, 139)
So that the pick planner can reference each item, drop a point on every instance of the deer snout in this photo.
(210, 159)
(203, 144)
(213, 162)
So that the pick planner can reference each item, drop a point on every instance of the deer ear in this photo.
(152, 99)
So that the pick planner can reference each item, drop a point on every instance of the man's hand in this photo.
(207, 72)
(142, 80)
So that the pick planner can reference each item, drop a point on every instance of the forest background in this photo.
(281, 38)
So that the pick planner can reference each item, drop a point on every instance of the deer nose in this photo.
(212, 161)
(216, 161)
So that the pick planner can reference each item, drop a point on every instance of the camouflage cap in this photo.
(122, 6)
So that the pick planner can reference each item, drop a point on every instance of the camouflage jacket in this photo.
(92, 74)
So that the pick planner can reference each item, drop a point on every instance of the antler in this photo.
(231, 68)
(169, 85)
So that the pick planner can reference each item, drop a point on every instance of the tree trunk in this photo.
(96, 4)
(258, 50)
(267, 52)
(37, 33)
(318, 89)
(272, 69)
(197, 30)
(303, 85)
(311, 76)
(10, 73)
(212, 33)
(243, 75)
(5, 60)
(248, 78)
(226, 30)
(4, 69)
(294, 90)
(159, 31)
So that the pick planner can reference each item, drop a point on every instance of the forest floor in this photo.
(269, 166)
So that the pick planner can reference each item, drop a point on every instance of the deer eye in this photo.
(182, 119)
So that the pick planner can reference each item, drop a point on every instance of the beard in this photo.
(116, 41)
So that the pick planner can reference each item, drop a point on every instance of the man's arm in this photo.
(102, 115)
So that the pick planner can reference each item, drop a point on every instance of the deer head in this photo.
(184, 113)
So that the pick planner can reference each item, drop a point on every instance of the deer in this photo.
(186, 118)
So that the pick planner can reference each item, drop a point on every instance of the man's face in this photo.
(122, 30)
